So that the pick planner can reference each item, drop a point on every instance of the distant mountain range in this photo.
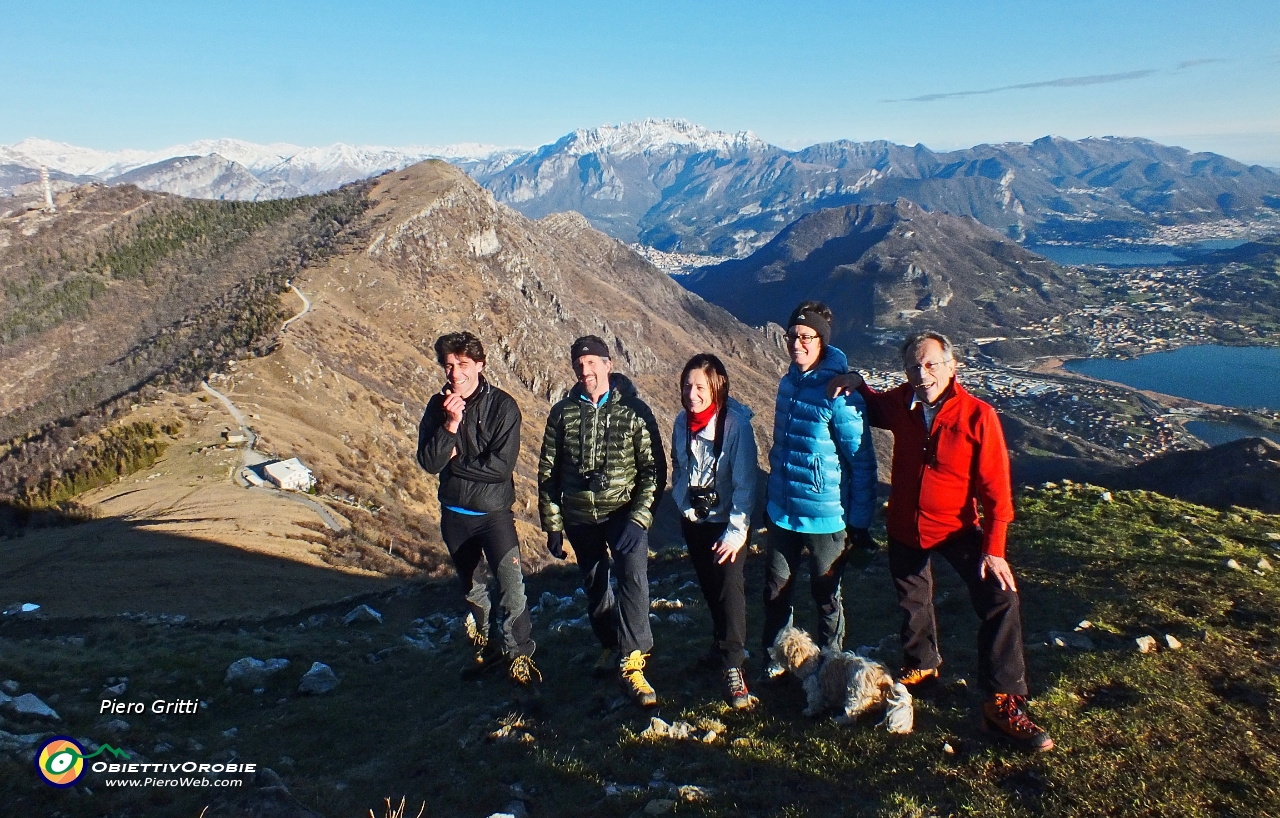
(232, 168)
(677, 186)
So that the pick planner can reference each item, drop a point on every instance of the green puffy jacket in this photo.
(619, 438)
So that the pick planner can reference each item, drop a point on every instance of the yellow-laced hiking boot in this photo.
(524, 672)
(1006, 716)
(484, 655)
(631, 670)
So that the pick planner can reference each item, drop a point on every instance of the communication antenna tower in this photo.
(48, 190)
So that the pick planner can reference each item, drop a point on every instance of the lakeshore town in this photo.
(1152, 309)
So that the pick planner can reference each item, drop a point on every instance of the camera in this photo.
(703, 500)
(597, 480)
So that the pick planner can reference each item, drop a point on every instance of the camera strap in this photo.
(717, 446)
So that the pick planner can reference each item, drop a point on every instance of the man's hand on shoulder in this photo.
(845, 384)
(999, 568)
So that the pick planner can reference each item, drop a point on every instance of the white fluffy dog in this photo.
(843, 680)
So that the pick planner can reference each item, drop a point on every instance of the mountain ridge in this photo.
(887, 270)
(677, 186)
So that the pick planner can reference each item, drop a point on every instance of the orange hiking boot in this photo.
(913, 677)
(1006, 716)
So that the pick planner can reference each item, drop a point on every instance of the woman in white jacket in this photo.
(714, 463)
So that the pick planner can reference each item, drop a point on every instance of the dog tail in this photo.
(900, 715)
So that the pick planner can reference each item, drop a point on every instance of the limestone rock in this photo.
(28, 704)
(251, 673)
(1146, 644)
(319, 679)
(362, 614)
(1172, 641)
(1234, 566)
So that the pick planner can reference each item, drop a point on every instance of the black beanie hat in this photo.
(812, 320)
(588, 345)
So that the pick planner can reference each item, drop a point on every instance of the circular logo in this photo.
(60, 761)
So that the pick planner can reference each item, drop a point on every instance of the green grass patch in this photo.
(1186, 732)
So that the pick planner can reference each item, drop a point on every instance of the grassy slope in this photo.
(1187, 732)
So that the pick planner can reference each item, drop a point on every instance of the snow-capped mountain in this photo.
(615, 173)
(203, 177)
(280, 168)
(681, 187)
(652, 135)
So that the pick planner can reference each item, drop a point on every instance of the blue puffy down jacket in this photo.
(822, 465)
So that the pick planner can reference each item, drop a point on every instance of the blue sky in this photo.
(1205, 75)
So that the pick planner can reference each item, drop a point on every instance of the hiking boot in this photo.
(735, 689)
(631, 671)
(916, 677)
(1006, 716)
(607, 664)
(524, 673)
(475, 636)
(484, 655)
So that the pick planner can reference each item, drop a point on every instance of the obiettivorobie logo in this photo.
(60, 760)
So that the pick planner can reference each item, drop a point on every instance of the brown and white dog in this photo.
(844, 681)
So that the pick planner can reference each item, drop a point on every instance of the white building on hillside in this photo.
(290, 474)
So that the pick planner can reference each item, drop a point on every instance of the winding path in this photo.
(306, 308)
(251, 457)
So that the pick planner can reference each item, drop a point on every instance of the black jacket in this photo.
(488, 443)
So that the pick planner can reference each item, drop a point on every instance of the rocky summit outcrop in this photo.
(888, 269)
(1243, 472)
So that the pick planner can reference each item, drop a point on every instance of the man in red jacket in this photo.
(949, 459)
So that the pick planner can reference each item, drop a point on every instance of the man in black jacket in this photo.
(470, 436)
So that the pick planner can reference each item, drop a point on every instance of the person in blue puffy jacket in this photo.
(822, 480)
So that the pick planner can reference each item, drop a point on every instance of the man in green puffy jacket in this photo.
(600, 476)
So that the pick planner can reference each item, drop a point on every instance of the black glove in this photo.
(631, 536)
(555, 544)
(860, 539)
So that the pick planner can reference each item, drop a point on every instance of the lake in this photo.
(1242, 377)
(1215, 432)
(1152, 255)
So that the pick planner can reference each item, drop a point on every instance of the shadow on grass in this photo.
(109, 566)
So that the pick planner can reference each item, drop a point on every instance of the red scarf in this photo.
(699, 420)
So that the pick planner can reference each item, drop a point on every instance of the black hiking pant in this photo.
(620, 622)
(722, 585)
(828, 555)
(1001, 665)
(493, 536)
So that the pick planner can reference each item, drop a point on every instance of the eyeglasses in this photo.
(928, 366)
(804, 339)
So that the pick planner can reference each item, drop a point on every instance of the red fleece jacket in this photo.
(940, 477)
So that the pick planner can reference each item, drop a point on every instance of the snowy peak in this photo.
(650, 135)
